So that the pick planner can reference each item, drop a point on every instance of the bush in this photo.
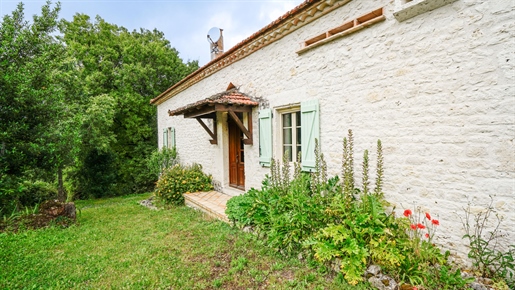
(239, 208)
(35, 192)
(10, 190)
(176, 181)
(162, 159)
(17, 193)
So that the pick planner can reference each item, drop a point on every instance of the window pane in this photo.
(298, 136)
(298, 153)
(297, 118)
(287, 136)
(287, 150)
(287, 120)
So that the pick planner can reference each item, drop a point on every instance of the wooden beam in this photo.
(242, 128)
(249, 141)
(194, 113)
(227, 108)
(212, 134)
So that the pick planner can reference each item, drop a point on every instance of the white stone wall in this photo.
(437, 89)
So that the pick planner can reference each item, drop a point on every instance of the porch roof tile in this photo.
(230, 97)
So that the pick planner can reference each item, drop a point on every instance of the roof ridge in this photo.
(254, 42)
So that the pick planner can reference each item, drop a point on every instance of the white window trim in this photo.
(278, 130)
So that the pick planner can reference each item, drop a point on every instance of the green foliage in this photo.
(286, 212)
(378, 191)
(179, 179)
(98, 123)
(35, 192)
(74, 103)
(17, 193)
(449, 279)
(97, 175)
(117, 73)
(240, 207)
(29, 97)
(364, 235)
(162, 159)
(31, 101)
(334, 222)
(10, 190)
(488, 257)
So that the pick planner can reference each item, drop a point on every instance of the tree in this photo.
(130, 68)
(30, 100)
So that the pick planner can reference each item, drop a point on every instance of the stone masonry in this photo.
(438, 89)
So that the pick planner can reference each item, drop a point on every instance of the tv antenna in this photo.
(215, 38)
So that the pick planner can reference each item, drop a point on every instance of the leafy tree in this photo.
(78, 103)
(129, 68)
(30, 100)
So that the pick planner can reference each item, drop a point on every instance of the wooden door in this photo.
(236, 156)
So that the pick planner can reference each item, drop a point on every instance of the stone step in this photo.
(212, 203)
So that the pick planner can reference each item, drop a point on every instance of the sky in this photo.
(185, 23)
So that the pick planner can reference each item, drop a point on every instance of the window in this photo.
(169, 137)
(297, 128)
(165, 138)
(291, 135)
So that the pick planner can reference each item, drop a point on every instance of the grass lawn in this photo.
(118, 244)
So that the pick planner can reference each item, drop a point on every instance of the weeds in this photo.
(485, 246)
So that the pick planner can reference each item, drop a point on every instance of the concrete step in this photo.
(212, 203)
(232, 191)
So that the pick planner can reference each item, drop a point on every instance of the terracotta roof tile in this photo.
(230, 97)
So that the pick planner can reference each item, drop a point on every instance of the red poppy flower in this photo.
(428, 216)
(435, 222)
(407, 213)
(427, 235)
(421, 226)
(413, 227)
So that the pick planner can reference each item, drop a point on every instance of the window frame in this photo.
(279, 144)
(168, 138)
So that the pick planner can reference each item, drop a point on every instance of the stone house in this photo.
(433, 79)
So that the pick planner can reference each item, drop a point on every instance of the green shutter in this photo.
(172, 137)
(165, 138)
(310, 130)
(265, 137)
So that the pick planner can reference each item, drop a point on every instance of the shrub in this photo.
(162, 159)
(35, 192)
(17, 193)
(9, 191)
(239, 208)
(179, 179)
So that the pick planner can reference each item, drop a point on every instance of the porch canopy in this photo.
(231, 101)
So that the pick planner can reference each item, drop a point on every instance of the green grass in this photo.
(118, 244)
